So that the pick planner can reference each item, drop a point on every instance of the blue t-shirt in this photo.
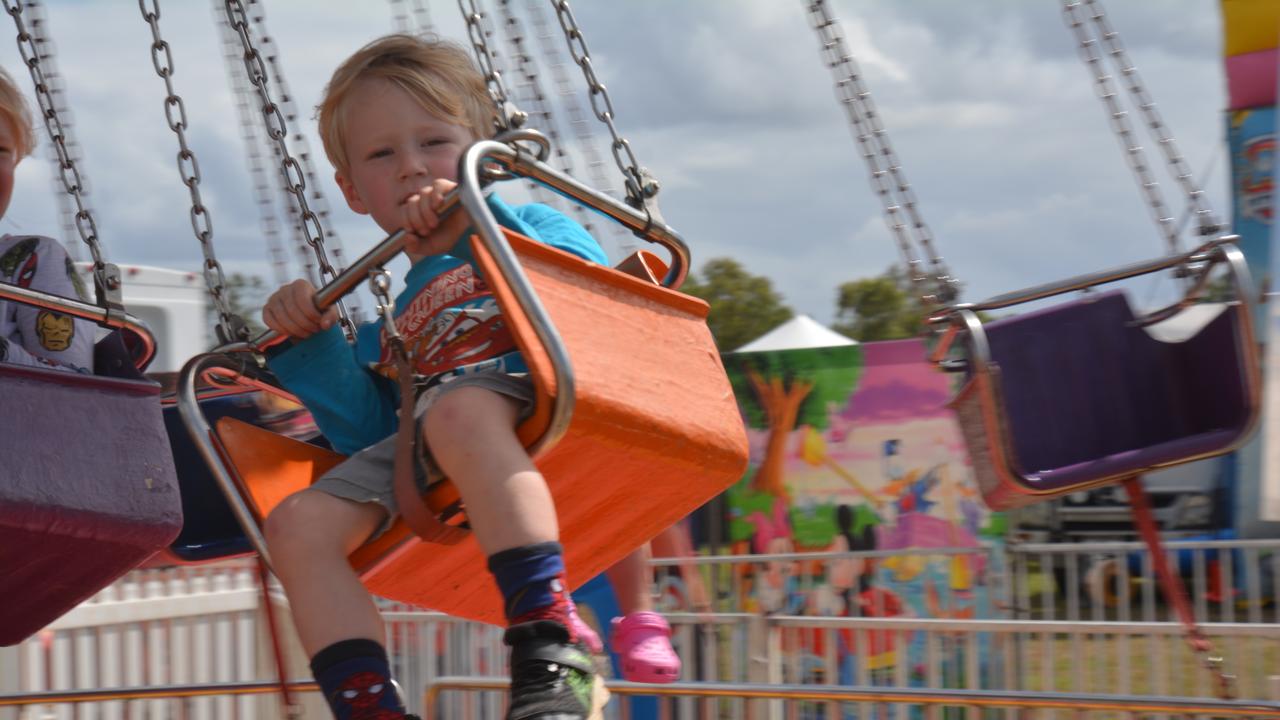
(451, 325)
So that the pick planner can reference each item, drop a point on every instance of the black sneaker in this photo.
(551, 678)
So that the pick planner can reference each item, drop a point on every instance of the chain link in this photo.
(420, 22)
(302, 147)
(400, 16)
(578, 122)
(57, 91)
(1134, 154)
(252, 140)
(380, 287)
(230, 326)
(277, 130)
(1178, 166)
(106, 277)
(478, 30)
(536, 102)
(887, 179)
(239, 81)
(640, 186)
(422, 15)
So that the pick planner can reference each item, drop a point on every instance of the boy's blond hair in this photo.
(14, 110)
(437, 73)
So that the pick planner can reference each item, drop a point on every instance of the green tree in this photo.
(780, 391)
(879, 308)
(743, 306)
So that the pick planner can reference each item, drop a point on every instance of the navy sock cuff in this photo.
(516, 554)
(344, 650)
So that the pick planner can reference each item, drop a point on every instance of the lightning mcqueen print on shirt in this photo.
(451, 325)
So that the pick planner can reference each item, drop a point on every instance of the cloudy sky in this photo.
(992, 113)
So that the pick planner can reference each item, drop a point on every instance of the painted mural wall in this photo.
(853, 448)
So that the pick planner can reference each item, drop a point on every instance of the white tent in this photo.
(800, 331)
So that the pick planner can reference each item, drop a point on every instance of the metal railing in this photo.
(172, 623)
(792, 695)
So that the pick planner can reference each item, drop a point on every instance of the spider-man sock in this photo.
(531, 578)
(355, 677)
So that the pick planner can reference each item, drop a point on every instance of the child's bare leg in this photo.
(632, 581)
(309, 536)
(641, 637)
(471, 433)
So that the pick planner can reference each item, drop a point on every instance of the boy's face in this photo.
(9, 157)
(395, 147)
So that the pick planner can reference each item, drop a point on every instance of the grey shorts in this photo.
(366, 476)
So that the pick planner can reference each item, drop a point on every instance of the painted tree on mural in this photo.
(780, 391)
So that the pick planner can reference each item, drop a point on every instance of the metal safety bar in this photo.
(911, 696)
(144, 349)
(744, 691)
(962, 321)
(1208, 254)
(157, 692)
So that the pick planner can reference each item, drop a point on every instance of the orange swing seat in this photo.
(655, 433)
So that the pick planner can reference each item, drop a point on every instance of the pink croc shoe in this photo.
(584, 632)
(643, 642)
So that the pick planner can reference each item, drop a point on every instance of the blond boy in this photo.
(395, 120)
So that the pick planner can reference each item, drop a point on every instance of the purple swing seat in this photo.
(88, 492)
(1080, 395)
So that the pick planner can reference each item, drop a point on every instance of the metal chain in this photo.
(106, 277)
(584, 138)
(240, 82)
(422, 14)
(1178, 166)
(1134, 153)
(277, 130)
(230, 327)
(888, 180)
(478, 30)
(420, 22)
(400, 16)
(66, 210)
(57, 91)
(303, 149)
(252, 139)
(535, 101)
(640, 186)
(380, 286)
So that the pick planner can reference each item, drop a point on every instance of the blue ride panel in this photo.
(211, 531)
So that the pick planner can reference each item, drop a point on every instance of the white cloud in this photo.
(993, 116)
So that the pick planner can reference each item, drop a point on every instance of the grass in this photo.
(1142, 666)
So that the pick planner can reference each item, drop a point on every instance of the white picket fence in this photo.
(168, 627)
(207, 624)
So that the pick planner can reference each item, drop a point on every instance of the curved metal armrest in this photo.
(1212, 251)
(1223, 251)
(520, 163)
(142, 343)
(202, 436)
(962, 319)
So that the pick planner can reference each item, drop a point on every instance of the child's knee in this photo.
(289, 522)
(467, 413)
